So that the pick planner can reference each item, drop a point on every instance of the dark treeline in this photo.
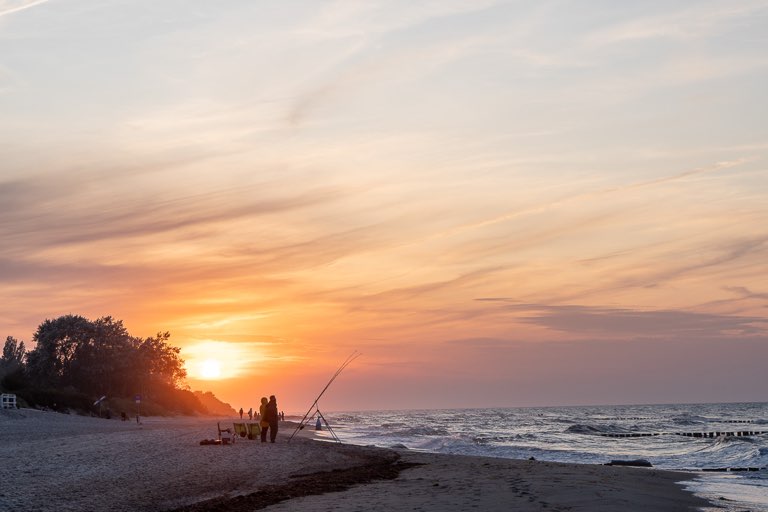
(77, 361)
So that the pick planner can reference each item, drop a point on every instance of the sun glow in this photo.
(210, 369)
(221, 360)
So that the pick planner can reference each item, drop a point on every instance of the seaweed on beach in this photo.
(302, 485)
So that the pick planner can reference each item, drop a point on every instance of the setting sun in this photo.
(220, 360)
(210, 369)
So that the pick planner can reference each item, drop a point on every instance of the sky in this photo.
(496, 203)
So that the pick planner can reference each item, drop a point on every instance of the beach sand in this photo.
(51, 461)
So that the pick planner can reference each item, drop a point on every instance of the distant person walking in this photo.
(250, 414)
(271, 417)
(241, 413)
(263, 423)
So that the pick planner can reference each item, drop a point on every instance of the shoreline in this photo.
(52, 461)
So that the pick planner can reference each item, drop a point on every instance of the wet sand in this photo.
(59, 462)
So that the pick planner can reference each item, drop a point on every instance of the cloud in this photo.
(746, 293)
(44, 211)
(345, 18)
(380, 49)
(624, 323)
(712, 256)
(690, 23)
(12, 6)
(607, 371)
(591, 196)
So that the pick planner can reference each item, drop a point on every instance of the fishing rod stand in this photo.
(354, 355)
(327, 425)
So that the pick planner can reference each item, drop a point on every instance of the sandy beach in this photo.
(51, 461)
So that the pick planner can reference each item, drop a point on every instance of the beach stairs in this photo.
(8, 401)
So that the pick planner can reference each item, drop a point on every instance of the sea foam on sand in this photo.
(52, 461)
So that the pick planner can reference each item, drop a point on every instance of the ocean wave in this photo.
(421, 431)
(689, 420)
(581, 428)
(347, 419)
(589, 435)
(727, 440)
(392, 425)
(493, 440)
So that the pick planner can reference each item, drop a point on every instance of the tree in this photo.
(58, 342)
(103, 362)
(159, 364)
(13, 353)
(12, 374)
(102, 358)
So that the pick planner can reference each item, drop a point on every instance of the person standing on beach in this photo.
(271, 417)
(263, 423)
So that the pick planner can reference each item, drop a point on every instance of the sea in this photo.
(723, 446)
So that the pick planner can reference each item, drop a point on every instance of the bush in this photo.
(14, 380)
(61, 400)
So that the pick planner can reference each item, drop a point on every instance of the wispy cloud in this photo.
(580, 321)
(12, 6)
(371, 69)
(687, 23)
(62, 203)
(590, 196)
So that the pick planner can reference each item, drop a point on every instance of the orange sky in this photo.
(495, 205)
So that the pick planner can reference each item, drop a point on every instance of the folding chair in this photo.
(240, 429)
(225, 435)
(254, 430)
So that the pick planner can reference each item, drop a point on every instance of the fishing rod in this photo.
(354, 355)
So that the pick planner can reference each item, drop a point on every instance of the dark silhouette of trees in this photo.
(58, 343)
(100, 357)
(13, 354)
(12, 363)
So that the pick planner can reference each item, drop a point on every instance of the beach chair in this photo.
(225, 435)
(240, 429)
(254, 430)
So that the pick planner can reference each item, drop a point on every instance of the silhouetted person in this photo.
(241, 413)
(263, 422)
(270, 417)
